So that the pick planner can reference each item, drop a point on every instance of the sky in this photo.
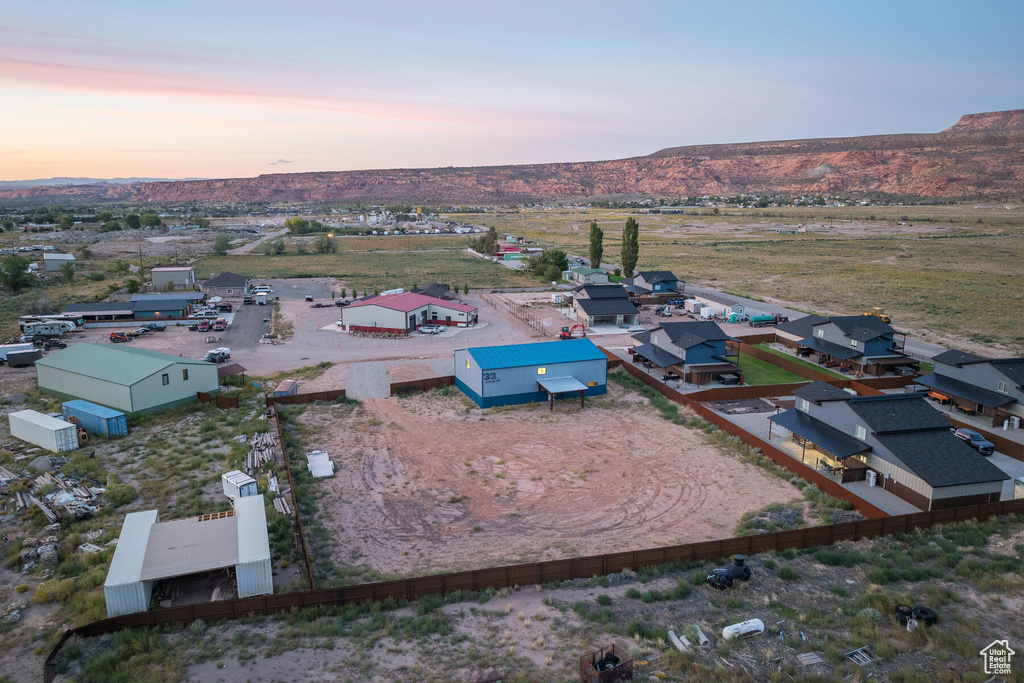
(233, 88)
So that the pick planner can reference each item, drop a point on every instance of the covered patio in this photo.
(563, 385)
(833, 450)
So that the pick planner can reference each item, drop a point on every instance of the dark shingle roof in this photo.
(834, 350)
(686, 335)
(652, 276)
(607, 306)
(940, 458)
(436, 290)
(985, 397)
(1013, 368)
(898, 413)
(839, 444)
(953, 357)
(801, 327)
(603, 292)
(861, 327)
(226, 279)
(819, 391)
(102, 306)
(642, 337)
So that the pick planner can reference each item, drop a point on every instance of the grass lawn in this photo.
(801, 361)
(757, 372)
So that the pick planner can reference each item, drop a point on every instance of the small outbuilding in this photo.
(149, 551)
(131, 380)
(527, 373)
(52, 263)
(177, 278)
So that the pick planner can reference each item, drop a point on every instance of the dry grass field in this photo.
(951, 274)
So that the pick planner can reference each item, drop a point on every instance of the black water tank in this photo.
(723, 577)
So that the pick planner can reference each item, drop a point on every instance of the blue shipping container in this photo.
(96, 419)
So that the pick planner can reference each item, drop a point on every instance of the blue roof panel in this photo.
(541, 353)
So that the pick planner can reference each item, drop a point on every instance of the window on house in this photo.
(861, 432)
(853, 343)
(1003, 388)
(542, 371)
(803, 404)
(166, 379)
(184, 374)
(654, 339)
(467, 364)
(819, 332)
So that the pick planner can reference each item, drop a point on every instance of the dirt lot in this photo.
(425, 483)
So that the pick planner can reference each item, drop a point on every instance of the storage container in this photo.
(288, 387)
(22, 359)
(42, 430)
(96, 419)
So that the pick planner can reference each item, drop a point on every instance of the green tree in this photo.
(121, 267)
(14, 274)
(296, 225)
(486, 243)
(596, 245)
(630, 246)
(67, 221)
(465, 289)
(67, 271)
(110, 226)
(324, 244)
(85, 253)
(274, 247)
(133, 221)
(131, 285)
(221, 244)
(150, 220)
(203, 223)
(551, 272)
(104, 216)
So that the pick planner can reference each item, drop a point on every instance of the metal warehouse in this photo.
(525, 373)
(126, 379)
(399, 313)
(149, 551)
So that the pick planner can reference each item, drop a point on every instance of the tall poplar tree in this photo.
(596, 245)
(630, 247)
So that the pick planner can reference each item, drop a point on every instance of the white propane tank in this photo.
(744, 629)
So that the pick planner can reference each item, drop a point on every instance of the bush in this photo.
(54, 589)
(604, 600)
(120, 494)
(633, 594)
(428, 604)
(787, 573)
(871, 616)
(840, 558)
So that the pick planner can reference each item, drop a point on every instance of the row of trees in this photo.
(629, 253)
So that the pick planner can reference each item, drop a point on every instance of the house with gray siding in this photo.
(968, 383)
(900, 437)
(600, 304)
(696, 350)
(856, 343)
(527, 373)
(654, 283)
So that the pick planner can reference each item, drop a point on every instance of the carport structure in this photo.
(835, 445)
(563, 385)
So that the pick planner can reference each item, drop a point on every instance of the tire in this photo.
(903, 613)
(925, 615)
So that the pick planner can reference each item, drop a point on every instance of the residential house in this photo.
(993, 387)
(898, 441)
(604, 305)
(227, 285)
(438, 290)
(588, 276)
(654, 283)
(793, 332)
(862, 344)
(401, 313)
(696, 350)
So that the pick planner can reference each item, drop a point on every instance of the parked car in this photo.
(975, 441)
(431, 329)
(141, 331)
(214, 300)
(341, 302)
(206, 313)
(904, 371)
(194, 327)
(155, 327)
(261, 289)
(247, 301)
(225, 307)
(219, 325)
(309, 297)
(118, 337)
(218, 355)
(204, 326)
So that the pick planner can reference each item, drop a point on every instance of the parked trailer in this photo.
(238, 484)
(23, 359)
(766, 319)
(45, 329)
(95, 419)
(693, 306)
(42, 430)
(13, 348)
(707, 313)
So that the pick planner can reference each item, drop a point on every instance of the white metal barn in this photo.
(149, 550)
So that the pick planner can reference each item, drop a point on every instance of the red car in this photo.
(204, 326)
(220, 324)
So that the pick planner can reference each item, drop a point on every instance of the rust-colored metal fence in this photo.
(399, 388)
(302, 399)
(537, 572)
(217, 399)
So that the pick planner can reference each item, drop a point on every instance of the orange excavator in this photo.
(570, 333)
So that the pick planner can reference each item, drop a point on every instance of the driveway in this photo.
(246, 248)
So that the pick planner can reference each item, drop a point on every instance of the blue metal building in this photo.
(525, 373)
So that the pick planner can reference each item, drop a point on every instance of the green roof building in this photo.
(128, 379)
(589, 276)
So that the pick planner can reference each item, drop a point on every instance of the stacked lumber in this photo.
(282, 506)
(263, 449)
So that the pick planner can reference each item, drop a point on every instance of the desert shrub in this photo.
(54, 589)
(869, 615)
(428, 604)
(120, 494)
(604, 600)
(788, 573)
(633, 594)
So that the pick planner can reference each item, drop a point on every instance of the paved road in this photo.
(246, 248)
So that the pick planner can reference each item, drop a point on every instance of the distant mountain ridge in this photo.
(52, 182)
(980, 156)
